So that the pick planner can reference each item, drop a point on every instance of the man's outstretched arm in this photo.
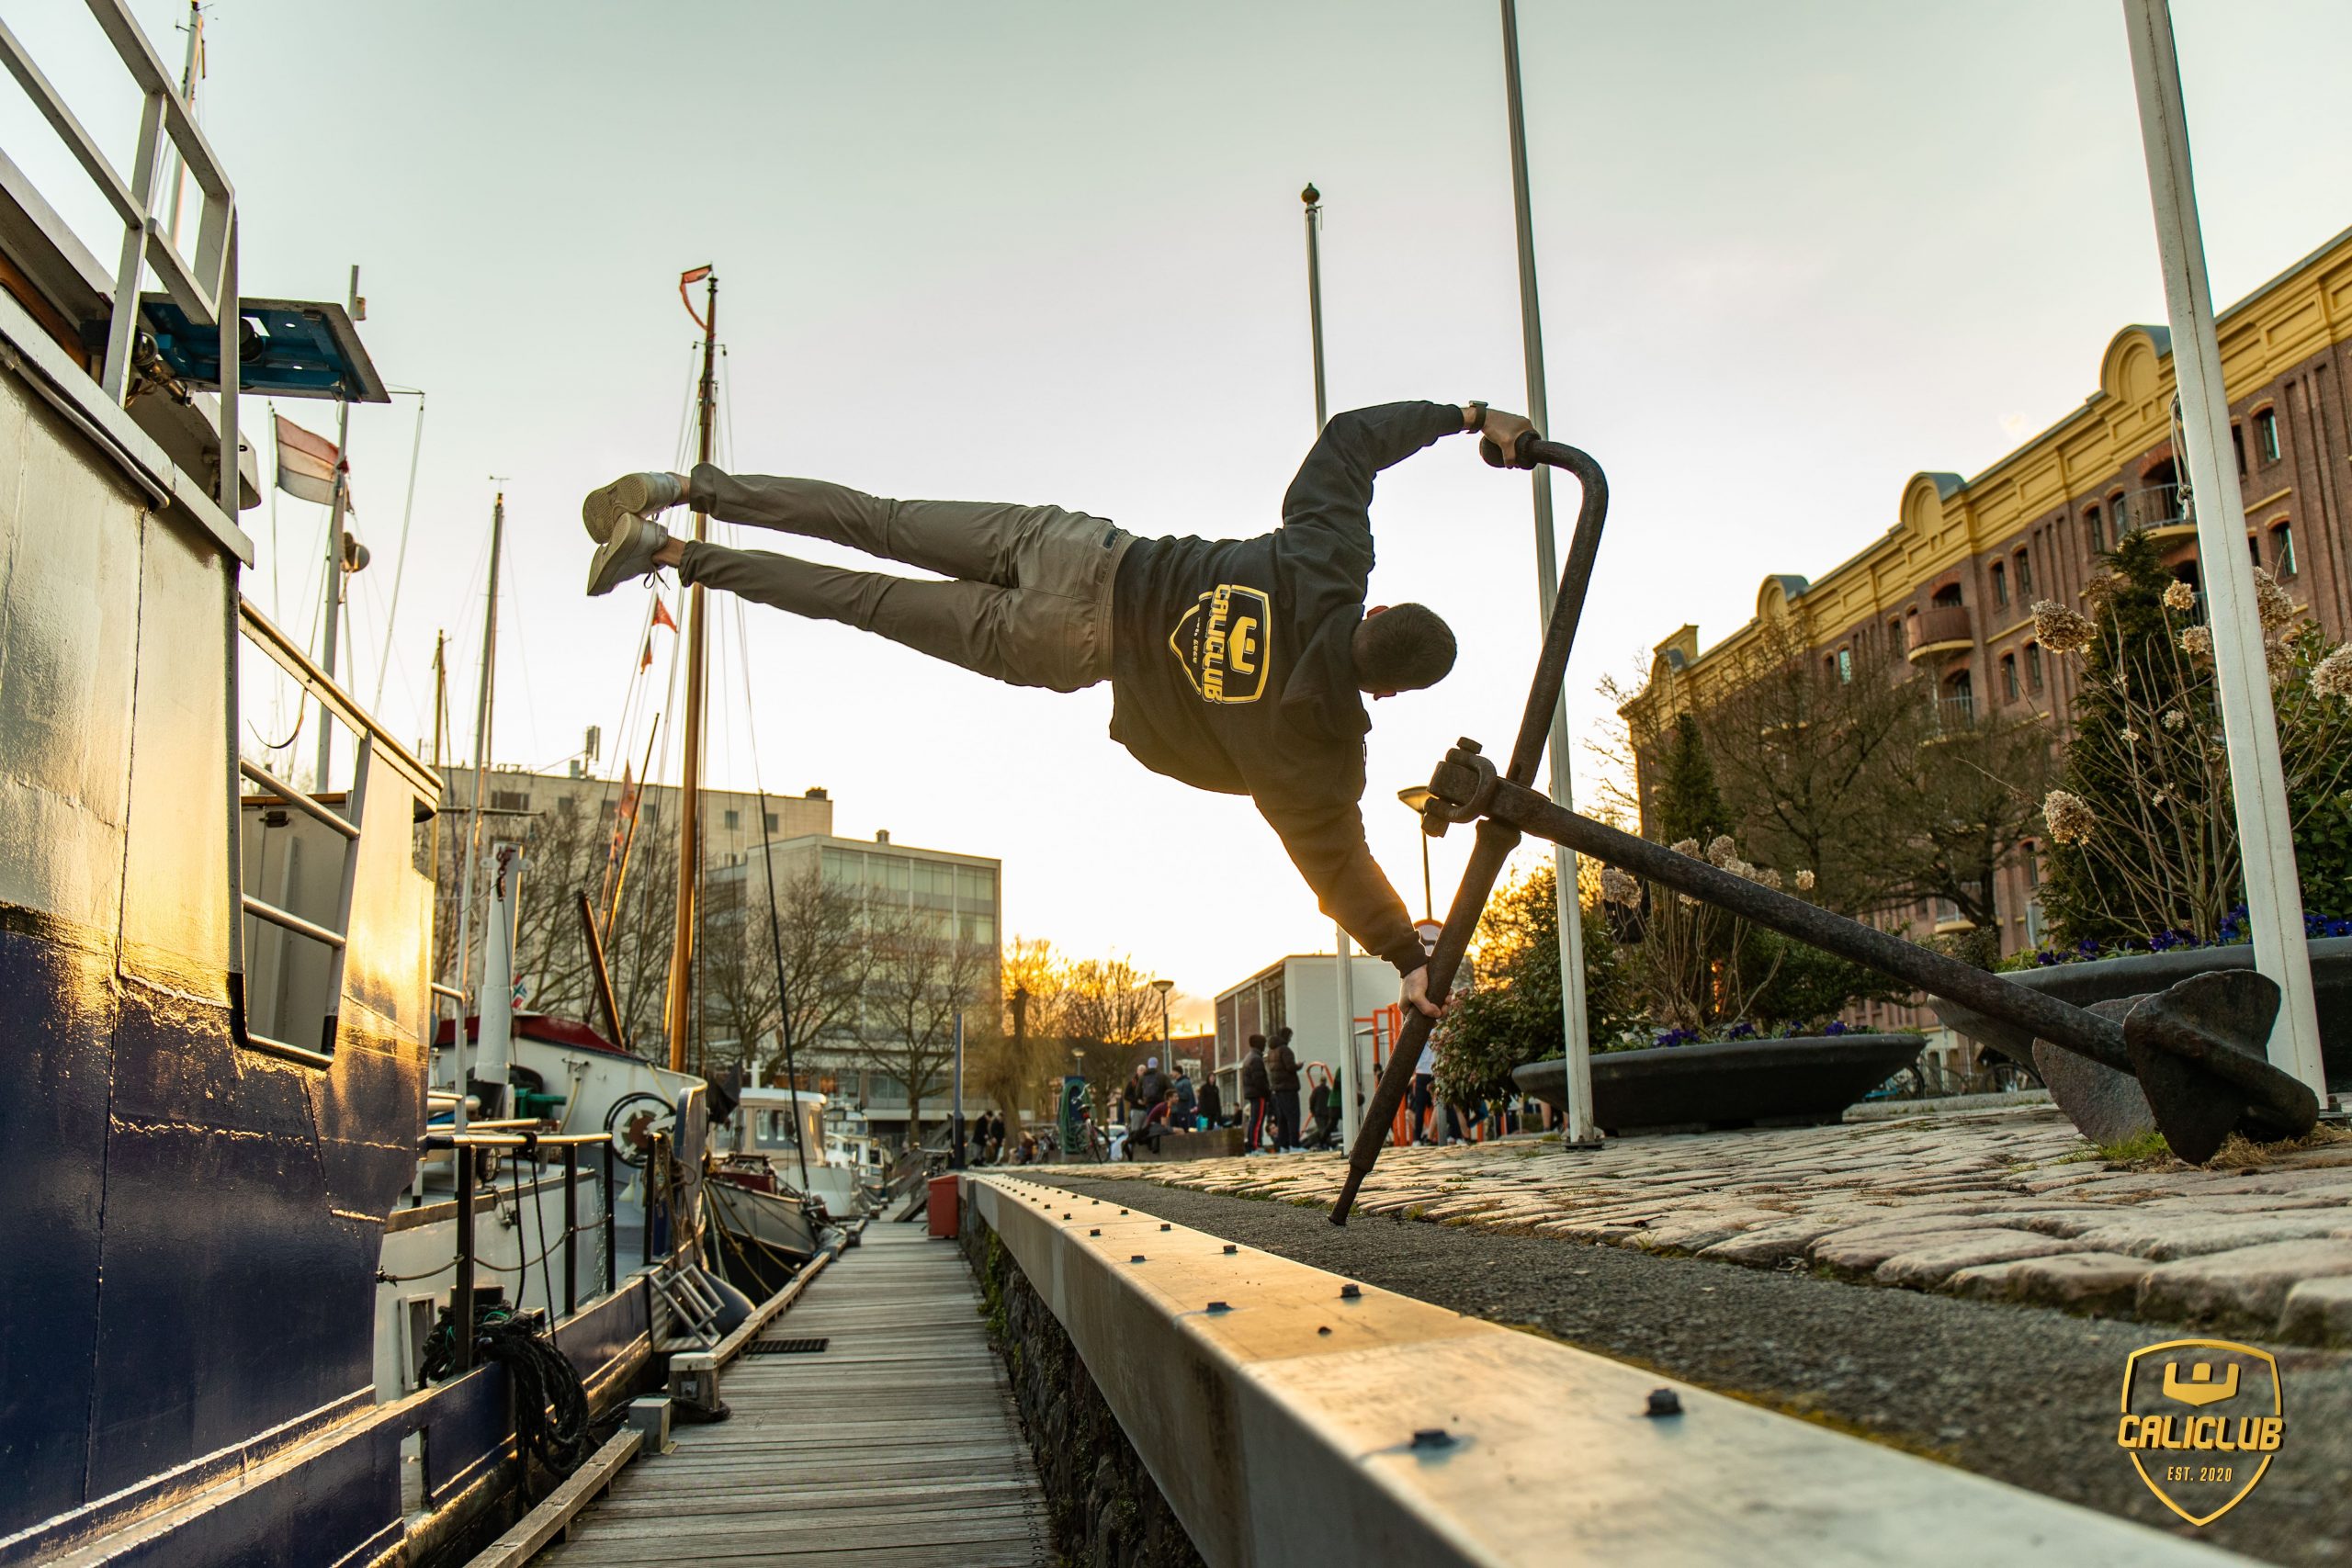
(1333, 489)
(1327, 844)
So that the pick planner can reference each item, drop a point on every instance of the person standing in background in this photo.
(1282, 1075)
(1257, 1093)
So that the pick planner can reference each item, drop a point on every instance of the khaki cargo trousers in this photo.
(1028, 595)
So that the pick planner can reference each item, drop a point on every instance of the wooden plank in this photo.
(540, 1525)
(898, 1439)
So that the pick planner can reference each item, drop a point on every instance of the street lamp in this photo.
(1163, 987)
(1417, 797)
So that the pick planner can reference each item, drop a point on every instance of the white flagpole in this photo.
(2265, 838)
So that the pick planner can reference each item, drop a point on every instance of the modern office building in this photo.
(942, 896)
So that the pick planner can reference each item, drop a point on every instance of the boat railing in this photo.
(204, 286)
(467, 1150)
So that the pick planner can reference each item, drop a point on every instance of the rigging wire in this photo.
(399, 564)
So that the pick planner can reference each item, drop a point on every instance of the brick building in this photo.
(1945, 592)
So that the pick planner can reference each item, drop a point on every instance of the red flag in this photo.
(685, 279)
(647, 662)
(661, 617)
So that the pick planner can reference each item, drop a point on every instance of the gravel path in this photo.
(2024, 1395)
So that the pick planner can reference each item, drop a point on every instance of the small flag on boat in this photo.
(687, 280)
(662, 615)
(646, 663)
(307, 464)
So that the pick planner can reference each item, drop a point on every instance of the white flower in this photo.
(2179, 595)
(2174, 718)
(2158, 798)
(2070, 819)
(1723, 851)
(2131, 736)
(2272, 604)
(1619, 887)
(2196, 641)
(1805, 882)
(2331, 677)
(2061, 631)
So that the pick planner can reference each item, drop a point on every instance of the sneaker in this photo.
(632, 495)
(627, 553)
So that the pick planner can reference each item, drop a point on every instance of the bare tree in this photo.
(923, 976)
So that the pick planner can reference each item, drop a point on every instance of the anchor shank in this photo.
(2061, 1023)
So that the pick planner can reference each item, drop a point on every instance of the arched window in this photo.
(2033, 666)
(2000, 586)
(1948, 594)
(2008, 676)
(2095, 529)
(1845, 665)
(2265, 434)
(2282, 548)
(2025, 575)
(2118, 512)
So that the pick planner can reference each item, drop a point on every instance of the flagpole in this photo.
(1577, 1129)
(334, 556)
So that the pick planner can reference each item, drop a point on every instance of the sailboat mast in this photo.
(681, 949)
(481, 774)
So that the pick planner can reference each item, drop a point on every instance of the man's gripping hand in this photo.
(1416, 993)
(1504, 431)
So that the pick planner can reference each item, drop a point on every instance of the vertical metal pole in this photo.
(461, 1299)
(1579, 1128)
(956, 1112)
(1351, 1081)
(570, 1229)
(335, 558)
(2266, 837)
(611, 1261)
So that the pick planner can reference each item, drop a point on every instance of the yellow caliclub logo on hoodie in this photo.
(1225, 642)
(2202, 1419)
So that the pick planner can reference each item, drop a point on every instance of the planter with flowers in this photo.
(1730, 1033)
(2144, 881)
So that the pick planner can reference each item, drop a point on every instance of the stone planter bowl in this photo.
(2105, 979)
(1802, 1082)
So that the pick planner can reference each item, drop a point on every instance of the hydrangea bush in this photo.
(2144, 853)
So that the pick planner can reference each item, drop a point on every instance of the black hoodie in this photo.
(1233, 669)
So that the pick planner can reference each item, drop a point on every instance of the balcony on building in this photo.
(2163, 510)
(1950, 715)
(1939, 628)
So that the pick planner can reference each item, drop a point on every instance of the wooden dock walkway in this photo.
(897, 1443)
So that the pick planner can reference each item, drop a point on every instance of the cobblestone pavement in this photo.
(2006, 1205)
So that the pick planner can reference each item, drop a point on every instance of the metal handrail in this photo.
(298, 799)
(323, 688)
(205, 289)
(289, 921)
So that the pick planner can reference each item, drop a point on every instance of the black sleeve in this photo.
(1332, 497)
(1327, 843)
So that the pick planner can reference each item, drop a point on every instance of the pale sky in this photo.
(1790, 255)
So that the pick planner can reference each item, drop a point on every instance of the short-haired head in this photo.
(1401, 647)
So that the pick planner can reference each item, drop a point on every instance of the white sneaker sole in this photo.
(628, 496)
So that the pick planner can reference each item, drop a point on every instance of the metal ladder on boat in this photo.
(333, 937)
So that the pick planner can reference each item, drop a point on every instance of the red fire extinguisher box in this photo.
(940, 1206)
